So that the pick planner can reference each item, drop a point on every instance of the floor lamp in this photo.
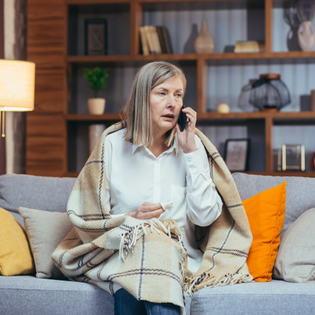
(17, 87)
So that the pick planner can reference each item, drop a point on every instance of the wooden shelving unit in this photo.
(63, 63)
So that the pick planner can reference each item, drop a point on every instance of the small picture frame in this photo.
(236, 154)
(95, 36)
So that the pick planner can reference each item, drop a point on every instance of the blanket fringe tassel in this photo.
(206, 279)
(128, 239)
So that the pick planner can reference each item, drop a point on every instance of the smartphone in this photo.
(182, 119)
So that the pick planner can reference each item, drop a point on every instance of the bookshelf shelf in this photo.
(207, 116)
(259, 115)
(179, 57)
(71, 174)
(91, 118)
(119, 58)
(82, 2)
(261, 55)
(303, 174)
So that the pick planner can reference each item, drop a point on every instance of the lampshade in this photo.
(17, 85)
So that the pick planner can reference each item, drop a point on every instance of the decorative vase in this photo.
(204, 43)
(95, 132)
(96, 106)
(306, 36)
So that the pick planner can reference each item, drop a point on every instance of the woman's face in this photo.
(166, 101)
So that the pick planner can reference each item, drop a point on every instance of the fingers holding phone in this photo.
(186, 129)
(187, 119)
(191, 118)
(182, 119)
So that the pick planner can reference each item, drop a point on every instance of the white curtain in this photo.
(15, 12)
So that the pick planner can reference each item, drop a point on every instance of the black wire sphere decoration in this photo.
(269, 93)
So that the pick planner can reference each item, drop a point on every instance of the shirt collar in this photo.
(135, 147)
(175, 147)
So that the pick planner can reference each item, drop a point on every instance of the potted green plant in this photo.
(306, 33)
(96, 79)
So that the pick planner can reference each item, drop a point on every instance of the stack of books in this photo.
(155, 40)
(249, 46)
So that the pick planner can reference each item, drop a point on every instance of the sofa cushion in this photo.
(15, 253)
(265, 213)
(263, 298)
(300, 192)
(35, 192)
(296, 257)
(30, 295)
(45, 232)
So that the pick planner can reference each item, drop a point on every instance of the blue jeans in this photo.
(126, 304)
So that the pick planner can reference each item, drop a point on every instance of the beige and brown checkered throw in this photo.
(147, 258)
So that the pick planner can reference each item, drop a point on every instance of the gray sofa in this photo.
(30, 295)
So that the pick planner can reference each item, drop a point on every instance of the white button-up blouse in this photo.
(180, 182)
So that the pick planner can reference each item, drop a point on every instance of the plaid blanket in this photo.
(147, 258)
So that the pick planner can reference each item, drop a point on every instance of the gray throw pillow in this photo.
(45, 231)
(35, 192)
(296, 255)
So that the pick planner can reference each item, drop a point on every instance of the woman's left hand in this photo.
(186, 139)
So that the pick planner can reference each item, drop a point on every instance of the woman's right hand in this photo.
(147, 211)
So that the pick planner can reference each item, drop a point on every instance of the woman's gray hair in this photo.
(138, 113)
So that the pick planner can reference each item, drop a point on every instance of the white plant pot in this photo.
(96, 106)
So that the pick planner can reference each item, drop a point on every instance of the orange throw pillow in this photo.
(265, 212)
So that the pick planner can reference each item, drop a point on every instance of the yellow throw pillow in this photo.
(15, 254)
(265, 212)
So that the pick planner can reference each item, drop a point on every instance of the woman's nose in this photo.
(170, 100)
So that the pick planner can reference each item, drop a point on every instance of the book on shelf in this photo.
(149, 39)
(144, 43)
(154, 40)
(167, 41)
(161, 39)
(249, 46)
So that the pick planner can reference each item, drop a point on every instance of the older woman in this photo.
(143, 196)
(153, 169)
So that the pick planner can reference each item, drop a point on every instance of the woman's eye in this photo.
(162, 93)
(179, 95)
